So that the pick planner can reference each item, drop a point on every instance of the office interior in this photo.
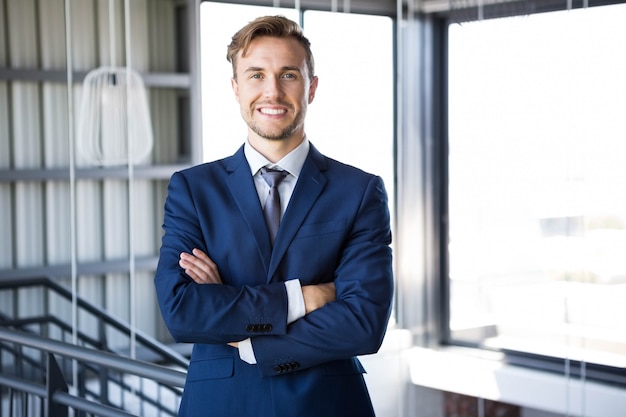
(497, 126)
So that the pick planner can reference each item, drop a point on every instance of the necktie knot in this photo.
(273, 177)
(272, 209)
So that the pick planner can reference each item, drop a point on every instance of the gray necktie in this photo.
(272, 210)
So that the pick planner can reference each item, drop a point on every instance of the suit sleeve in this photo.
(208, 313)
(356, 322)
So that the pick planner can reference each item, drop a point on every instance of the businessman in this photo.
(275, 261)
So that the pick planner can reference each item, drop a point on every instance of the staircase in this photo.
(49, 369)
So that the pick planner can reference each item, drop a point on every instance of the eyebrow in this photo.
(285, 68)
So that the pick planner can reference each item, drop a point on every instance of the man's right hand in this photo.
(199, 267)
(316, 296)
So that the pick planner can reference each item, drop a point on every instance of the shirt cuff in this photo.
(246, 353)
(295, 310)
(295, 301)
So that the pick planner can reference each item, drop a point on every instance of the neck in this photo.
(275, 149)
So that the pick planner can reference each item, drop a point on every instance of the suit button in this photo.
(259, 328)
(286, 367)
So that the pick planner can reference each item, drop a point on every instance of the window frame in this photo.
(437, 158)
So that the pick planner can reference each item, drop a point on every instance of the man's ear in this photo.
(312, 89)
(235, 86)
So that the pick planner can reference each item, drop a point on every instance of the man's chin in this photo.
(274, 138)
(277, 135)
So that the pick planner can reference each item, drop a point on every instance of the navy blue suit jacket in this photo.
(335, 228)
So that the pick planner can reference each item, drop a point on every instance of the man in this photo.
(277, 321)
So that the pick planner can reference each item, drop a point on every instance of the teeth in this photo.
(273, 111)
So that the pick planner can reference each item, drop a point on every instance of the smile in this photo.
(272, 111)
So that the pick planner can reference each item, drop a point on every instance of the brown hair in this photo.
(277, 26)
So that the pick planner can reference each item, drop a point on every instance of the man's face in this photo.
(273, 88)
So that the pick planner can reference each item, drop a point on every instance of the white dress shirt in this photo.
(292, 163)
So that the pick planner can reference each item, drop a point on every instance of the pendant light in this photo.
(114, 123)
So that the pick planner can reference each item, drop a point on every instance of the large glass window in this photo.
(351, 118)
(537, 208)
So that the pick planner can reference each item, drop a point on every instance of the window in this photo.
(537, 212)
(351, 118)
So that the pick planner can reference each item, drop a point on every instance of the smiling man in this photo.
(274, 96)
(275, 261)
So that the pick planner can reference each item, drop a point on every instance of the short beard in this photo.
(281, 135)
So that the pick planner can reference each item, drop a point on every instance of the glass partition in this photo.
(537, 215)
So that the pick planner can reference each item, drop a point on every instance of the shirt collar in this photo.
(292, 162)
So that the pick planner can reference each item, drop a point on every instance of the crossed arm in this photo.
(199, 267)
(354, 255)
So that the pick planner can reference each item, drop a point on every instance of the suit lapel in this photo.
(310, 184)
(244, 193)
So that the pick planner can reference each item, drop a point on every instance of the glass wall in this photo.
(537, 215)
(351, 118)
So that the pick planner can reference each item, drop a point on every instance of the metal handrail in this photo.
(142, 369)
(96, 358)
(62, 398)
(55, 394)
(15, 350)
(167, 353)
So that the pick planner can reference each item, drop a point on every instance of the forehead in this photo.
(269, 52)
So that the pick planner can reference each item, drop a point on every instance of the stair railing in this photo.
(52, 396)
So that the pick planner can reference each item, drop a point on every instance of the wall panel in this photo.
(52, 34)
(84, 34)
(61, 216)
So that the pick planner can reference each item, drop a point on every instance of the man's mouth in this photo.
(269, 111)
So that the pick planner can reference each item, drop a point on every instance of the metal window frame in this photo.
(436, 201)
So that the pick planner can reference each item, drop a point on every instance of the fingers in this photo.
(200, 267)
(317, 296)
(327, 292)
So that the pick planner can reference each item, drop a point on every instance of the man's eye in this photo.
(290, 76)
(256, 76)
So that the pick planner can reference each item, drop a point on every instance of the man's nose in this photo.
(273, 87)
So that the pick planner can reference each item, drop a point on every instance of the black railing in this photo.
(104, 321)
(51, 396)
(103, 382)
